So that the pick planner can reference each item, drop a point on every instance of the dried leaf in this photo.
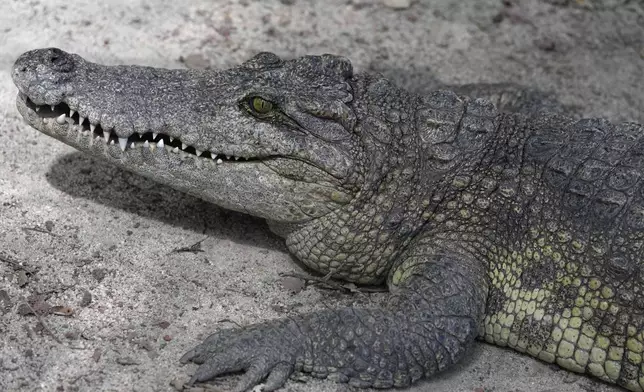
(62, 310)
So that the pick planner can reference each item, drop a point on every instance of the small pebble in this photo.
(195, 61)
(21, 278)
(86, 300)
(24, 310)
(72, 335)
(163, 324)
(293, 284)
(97, 355)
(397, 4)
(99, 274)
(127, 361)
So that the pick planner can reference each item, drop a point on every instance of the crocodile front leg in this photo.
(433, 316)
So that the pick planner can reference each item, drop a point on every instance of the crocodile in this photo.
(522, 230)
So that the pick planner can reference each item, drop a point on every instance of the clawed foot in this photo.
(264, 352)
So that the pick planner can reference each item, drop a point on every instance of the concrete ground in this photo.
(89, 248)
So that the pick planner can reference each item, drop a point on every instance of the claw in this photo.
(216, 366)
(187, 357)
(254, 375)
(278, 377)
(197, 355)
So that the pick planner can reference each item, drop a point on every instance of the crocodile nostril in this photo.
(55, 56)
(58, 60)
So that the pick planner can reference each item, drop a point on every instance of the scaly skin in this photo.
(524, 231)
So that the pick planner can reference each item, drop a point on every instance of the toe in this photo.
(206, 349)
(190, 355)
(278, 376)
(215, 366)
(253, 376)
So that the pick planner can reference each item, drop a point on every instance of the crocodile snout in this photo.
(48, 60)
(40, 74)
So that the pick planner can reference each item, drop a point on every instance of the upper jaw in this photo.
(72, 99)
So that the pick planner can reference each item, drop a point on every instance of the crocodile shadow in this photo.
(81, 176)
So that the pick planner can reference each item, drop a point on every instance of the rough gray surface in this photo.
(96, 223)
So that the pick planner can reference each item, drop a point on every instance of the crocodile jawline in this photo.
(63, 114)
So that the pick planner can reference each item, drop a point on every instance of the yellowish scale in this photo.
(570, 341)
(566, 337)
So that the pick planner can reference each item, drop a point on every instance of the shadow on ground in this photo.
(93, 180)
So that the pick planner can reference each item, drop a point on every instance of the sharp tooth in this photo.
(160, 143)
(228, 157)
(61, 119)
(171, 139)
(71, 112)
(112, 142)
(154, 135)
(175, 150)
(198, 152)
(184, 146)
(213, 156)
(132, 145)
(81, 120)
(92, 127)
(45, 120)
(236, 158)
(106, 135)
(123, 143)
(146, 144)
(219, 161)
(37, 108)
(53, 107)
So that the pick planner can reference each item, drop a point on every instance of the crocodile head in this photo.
(271, 138)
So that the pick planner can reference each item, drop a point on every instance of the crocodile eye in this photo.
(260, 105)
